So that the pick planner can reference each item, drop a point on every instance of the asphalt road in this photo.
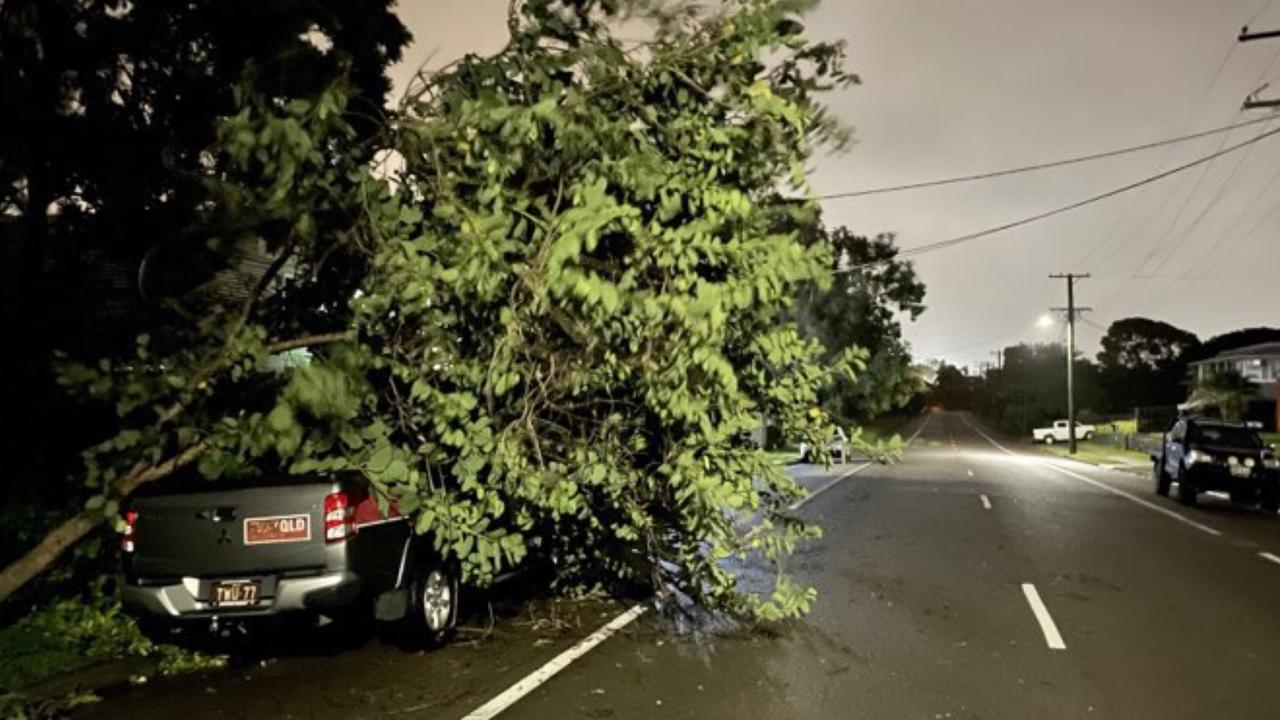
(930, 573)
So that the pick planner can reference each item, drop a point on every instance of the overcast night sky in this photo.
(961, 86)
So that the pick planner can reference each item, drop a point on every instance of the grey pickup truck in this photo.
(201, 555)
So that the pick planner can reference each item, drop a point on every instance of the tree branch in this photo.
(51, 547)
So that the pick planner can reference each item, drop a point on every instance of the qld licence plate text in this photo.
(282, 529)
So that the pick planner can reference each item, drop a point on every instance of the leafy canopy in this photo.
(871, 290)
(1143, 362)
(557, 316)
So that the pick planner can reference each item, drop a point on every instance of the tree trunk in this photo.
(51, 547)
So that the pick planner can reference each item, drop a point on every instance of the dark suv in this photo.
(1204, 455)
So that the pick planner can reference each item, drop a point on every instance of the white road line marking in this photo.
(969, 472)
(916, 434)
(1047, 626)
(986, 502)
(1148, 505)
(530, 682)
(1270, 556)
(978, 430)
(801, 502)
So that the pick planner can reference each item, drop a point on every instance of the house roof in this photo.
(1261, 350)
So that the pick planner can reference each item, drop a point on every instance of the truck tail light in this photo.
(340, 514)
(126, 540)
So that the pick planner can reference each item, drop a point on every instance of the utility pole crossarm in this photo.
(1250, 102)
(1246, 36)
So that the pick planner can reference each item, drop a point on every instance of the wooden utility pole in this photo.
(1071, 311)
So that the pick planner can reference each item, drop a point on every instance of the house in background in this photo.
(1260, 365)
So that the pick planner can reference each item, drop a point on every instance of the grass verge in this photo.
(55, 642)
(1091, 452)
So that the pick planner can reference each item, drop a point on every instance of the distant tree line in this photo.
(1142, 363)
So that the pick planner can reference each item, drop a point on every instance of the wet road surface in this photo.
(975, 579)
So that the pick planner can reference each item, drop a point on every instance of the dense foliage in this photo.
(1235, 339)
(551, 311)
(1143, 362)
(108, 218)
(1225, 392)
(1030, 388)
(871, 290)
(73, 633)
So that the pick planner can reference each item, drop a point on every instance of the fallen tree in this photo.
(552, 311)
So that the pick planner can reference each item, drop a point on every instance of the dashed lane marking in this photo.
(1051, 635)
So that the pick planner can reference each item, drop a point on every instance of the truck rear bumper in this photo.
(189, 599)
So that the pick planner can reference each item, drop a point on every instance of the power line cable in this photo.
(1163, 240)
(1258, 14)
(941, 244)
(1213, 202)
(1275, 176)
(1039, 166)
(1204, 95)
(1247, 236)
(1180, 238)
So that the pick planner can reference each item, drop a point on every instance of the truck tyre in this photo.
(1048, 440)
(1186, 489)
(433, 606)
(1271, 499)
(1163, 481)
(1088, 436)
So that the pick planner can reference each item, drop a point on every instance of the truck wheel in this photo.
(1271, 499)
(433, 606)
(1186, 489)
(1088, 436)
(1048, 440)
(1163, 481)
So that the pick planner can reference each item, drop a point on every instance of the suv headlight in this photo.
(1196, 457)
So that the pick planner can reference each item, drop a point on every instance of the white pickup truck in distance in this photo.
(1058, 433)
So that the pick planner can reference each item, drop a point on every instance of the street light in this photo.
(1045, 321)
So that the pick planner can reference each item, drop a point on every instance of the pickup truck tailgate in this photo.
(247, 531)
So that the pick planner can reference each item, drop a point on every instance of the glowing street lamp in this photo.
(1045, 321)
